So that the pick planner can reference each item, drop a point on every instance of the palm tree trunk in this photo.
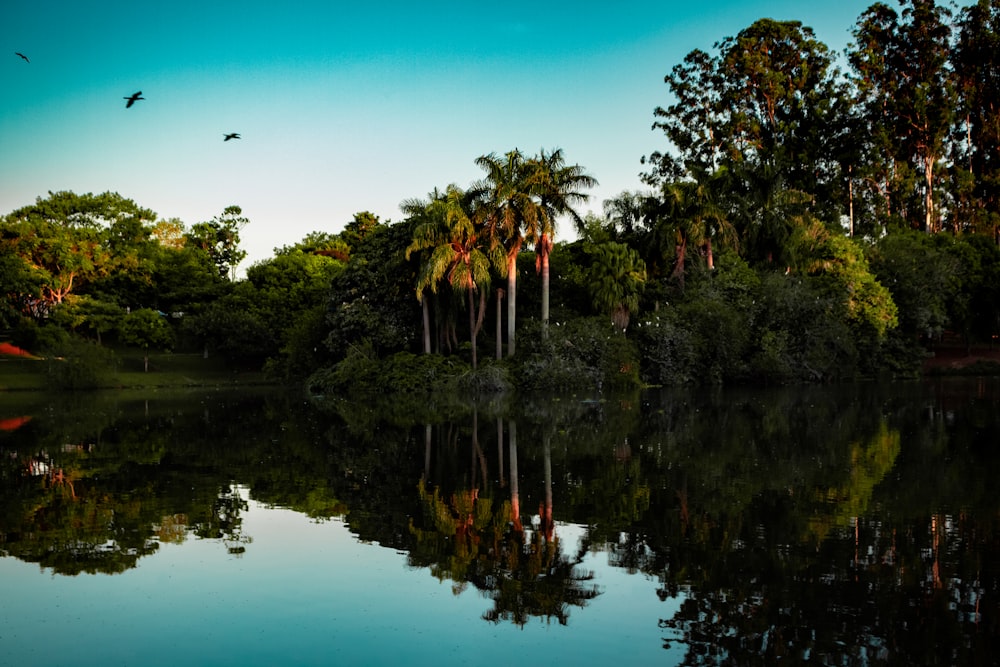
(681, 254)
(499, 324)
(427, 325)
(544, 257)
(511, 297)
(472, 326)
(481, 311)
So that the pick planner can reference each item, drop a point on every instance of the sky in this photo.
(342, 107)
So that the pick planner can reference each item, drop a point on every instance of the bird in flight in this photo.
(133, 98)
(232, 135)
(18, 53)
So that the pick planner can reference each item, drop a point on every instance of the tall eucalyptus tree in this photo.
(976, 62)
(908, 94)
(770, 95)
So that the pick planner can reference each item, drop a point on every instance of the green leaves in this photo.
(617, 277)
(768, 96)
(220, 238)
(145, 329)
(907, 97)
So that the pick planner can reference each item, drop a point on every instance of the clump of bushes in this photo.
(582, 354)
(74, 363)
(361, 371)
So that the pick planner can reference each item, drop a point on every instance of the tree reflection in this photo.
(469, 538)
(835, 525)
(819, 558)
(95, 490)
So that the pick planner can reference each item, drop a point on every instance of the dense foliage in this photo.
(802, 223)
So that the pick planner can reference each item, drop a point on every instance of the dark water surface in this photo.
(824, 525)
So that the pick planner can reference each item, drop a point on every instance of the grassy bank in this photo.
(125, 369)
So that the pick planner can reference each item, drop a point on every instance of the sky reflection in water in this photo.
(303, 593)
(846, 525)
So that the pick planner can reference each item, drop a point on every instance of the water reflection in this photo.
(853, 525)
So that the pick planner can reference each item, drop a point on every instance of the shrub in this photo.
(586, 353)
(667, 352)
(78, 364)
(361, 372)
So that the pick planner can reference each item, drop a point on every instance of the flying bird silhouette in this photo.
(18, 53)
(133, 98)
(232, 135)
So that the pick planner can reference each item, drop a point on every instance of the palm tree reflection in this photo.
(468, 537)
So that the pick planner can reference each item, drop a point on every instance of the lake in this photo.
(845, 525)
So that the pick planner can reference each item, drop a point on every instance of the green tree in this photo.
(146, 328)
(420, 213)
(559, 188)
(133, 251)
(185, 278)
(20, 286)
(230, 329)
(908, 94)
(624, 215)
(769, 216)
(459, 256)
(288, 295)
(770, 96)
(372, 297)
(512, 215)
(976, 62)
(220, 238)
(922, 279)
(617, 277)
(692, 212)
(281, 288)
(841, 262)
(86, 313)
(60, 239)
(359, 228)
(320, 243)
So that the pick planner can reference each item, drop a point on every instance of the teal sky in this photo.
(342, 107)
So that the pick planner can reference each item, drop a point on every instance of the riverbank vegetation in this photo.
(800, 223)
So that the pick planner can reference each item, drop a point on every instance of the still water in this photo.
(827, 525)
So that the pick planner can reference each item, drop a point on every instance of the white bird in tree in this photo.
(18, 53)
(133, 98)
(232, 135)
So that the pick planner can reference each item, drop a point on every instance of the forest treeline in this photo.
(807, 218)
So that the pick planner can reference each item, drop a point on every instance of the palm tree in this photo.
(511, 215)
(692, 210)
(625, 213)
(616, 281)
(770, 215)
(559, 187)
(457, 253)
(418, 210)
